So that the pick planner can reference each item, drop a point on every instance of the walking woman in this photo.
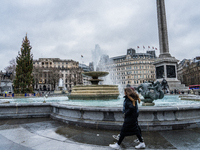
(130, 125)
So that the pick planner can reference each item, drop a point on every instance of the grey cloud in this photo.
(68, 29)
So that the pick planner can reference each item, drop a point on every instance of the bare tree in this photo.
(11, 68)
(54, 76)
(37, 75)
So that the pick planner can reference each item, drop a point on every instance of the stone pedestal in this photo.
(147, 102)
(166, 67)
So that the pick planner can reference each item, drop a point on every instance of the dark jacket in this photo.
(130, 125)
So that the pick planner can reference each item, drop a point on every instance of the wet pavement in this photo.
(48, 134)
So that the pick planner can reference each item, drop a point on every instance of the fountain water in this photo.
(61, 87)
(60, 84)
(96, 54)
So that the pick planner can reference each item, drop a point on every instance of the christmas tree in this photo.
(24, 81)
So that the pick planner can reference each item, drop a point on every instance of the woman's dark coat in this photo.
(130, 125)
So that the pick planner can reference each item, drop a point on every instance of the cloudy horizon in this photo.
(69, 29)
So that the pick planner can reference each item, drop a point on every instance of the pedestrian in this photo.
(117, 136)
(130, 126)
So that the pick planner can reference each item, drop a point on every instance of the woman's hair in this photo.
(132, 95)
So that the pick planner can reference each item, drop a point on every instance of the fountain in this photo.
(61, 89)
(94, 91)
(169, 113)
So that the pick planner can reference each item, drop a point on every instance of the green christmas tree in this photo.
(24, 81)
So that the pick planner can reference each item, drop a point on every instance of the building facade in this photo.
(189, 71)
(181, 65)
(132, 68)
(48, 71)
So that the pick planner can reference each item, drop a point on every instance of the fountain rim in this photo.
(142, 108)
(152, 118)
(96, 73)
(77, 107)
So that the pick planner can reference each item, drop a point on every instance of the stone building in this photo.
(181, 65)
(189, 71)
(48, 71)
(132, 68)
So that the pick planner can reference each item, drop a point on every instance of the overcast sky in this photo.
(67, 29)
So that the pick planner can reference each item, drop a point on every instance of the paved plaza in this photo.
(48, 134)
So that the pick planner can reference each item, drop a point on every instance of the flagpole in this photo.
(143, 49)
(137, 48)
(82, 60)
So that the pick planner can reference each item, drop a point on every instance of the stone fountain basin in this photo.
(95, 87)
(96, 74)
(110, 118)
(94, 92)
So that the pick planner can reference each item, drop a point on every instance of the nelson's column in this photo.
(166, 65)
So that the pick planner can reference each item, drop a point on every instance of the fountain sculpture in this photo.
(94, 91)
(150, 92)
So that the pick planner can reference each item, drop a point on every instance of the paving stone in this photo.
(48, 134)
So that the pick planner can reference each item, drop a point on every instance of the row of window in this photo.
(132, 72)
(135, 62)
(129, 67)
(141, 57)
(47, 63)
(133, 77)
(130, 82)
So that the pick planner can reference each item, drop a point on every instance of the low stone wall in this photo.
(8, 111)
(150, 118)
(92, 117)
(110, 118)
(169, 118)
